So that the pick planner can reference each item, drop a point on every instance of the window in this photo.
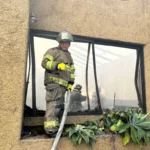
(111, 74)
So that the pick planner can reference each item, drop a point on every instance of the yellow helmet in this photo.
(64, 36)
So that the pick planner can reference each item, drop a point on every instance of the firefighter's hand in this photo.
(61, 66)
(69, 87)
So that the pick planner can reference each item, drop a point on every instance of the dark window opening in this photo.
(111, 74)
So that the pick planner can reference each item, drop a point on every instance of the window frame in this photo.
(52, 35)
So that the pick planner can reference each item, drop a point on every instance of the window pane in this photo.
(41, 45)
(115, 69)
(115, 73)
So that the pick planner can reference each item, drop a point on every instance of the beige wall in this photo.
(122, 20)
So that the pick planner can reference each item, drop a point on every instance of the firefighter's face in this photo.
(64, 45)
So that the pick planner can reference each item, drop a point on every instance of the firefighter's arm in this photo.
(48, 62)
(72, 77)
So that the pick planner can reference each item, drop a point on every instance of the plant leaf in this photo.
(126, 139)
(79, 140)
(134, 135)
(148, 133)
(144, 125)
(146, 138)
(123, 128)
(142, 118)
(71, 132)
(74, 139)
(85, 137)
(113, 128)
(119, 123)
(141, 133)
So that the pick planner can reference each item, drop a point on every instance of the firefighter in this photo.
(59, 77)
(94, 104)
(76, 99)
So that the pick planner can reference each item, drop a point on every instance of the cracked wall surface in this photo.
(121, 20)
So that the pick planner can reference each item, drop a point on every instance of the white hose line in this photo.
(67, 101)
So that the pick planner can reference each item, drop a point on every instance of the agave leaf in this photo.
(90, 134)
(126, 139)
(141, 133)
(134, 135)
(75, 139)
(142, 118)
(148, 133)
(144, 125)
(85, 137)
(79, 140)
(146, 138)
(135, 118)
(71, 132)
(90, 143)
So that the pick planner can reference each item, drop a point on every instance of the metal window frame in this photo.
(90, 40)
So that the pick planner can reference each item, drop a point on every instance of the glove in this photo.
(69, 87)
(61, 66)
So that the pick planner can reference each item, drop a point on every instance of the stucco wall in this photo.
(14, 32)
(122, 20)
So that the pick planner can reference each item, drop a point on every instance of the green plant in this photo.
(132, 124)
(109, 118)
(86, 132)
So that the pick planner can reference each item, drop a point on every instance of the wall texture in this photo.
(13, 48)
(122, 20)
(107, 19)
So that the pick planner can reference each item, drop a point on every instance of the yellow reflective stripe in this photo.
(72, 67)
(49, 57)
(57, 80)
(51, 124)
(68, 68)
(49, 65)
(72, 76)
